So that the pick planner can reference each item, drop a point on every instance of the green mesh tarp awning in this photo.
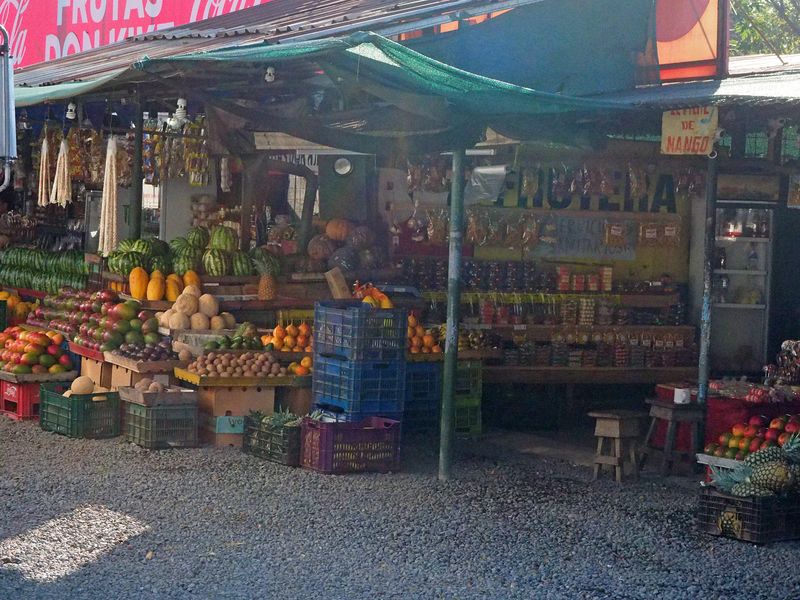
(396, 74)
(28, 96)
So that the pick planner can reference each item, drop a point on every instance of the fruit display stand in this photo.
(93, 364)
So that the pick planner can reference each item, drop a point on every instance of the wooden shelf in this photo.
(740, 239)
(588, 375)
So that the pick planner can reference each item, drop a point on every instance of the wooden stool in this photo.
(673, 414)
(620, 428)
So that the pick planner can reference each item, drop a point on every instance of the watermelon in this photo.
(198, 237)
(178, 244)
(126, 245)
(160, 247)
(216, 263)
(267, 258)
(241, 265)
(346, 258)
(128, 261)
(223, 238)
(185, 262)
(143, 247)
(161, 263)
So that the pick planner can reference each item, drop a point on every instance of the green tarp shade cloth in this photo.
(382, 67)
(28, 96)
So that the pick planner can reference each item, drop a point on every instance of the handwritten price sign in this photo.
(689, 130)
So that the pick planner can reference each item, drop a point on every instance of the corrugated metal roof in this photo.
(275, 21)
(762, 63)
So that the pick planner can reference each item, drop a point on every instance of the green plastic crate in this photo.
(469, 379)
(78, 416)
(276, 444)
(468, 420)
(158, 427)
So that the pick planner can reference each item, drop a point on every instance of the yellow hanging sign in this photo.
(689, 130)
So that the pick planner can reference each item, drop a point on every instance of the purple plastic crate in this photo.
(371, 445)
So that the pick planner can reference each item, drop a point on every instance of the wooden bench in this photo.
(673, 414)
(618, 428)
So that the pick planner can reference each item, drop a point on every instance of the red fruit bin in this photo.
(370, 445)
(19, 401)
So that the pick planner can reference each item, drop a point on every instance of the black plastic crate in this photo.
(423, 396)
(373, 387)
(750, 519)
(353, 330)
(469, 379)
(159, 427)
(277, 444)
(93, 416)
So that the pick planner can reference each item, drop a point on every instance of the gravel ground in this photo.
(105, 520)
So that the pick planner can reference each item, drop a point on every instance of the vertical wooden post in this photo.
(137, 175)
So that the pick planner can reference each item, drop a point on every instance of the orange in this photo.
(420, 331)
(291, 330)
(304, 329)
(426, 350)
(266, 339)
(428, 341)
(416, 342)
(437, 349)
(302, 341)
(289, 342)
(412, 321)
(279, 332)
(277, 343)
(414, 350)
(301, 371)
(309, 349)
(306, 362)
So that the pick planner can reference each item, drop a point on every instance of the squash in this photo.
(338, 229)
(163, 320)
(138, 280)
(199, 322)
(186, 304)
(192, 289)
(156, 289)
(82, 385)
(230, 320)
(179, 321)
(217, 323)
(191, 278)
(209, 305)
(173, 290)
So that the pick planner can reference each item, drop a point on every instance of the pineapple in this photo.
(791, 448)
(774, 476)
(749, 489)
(764, 456)
(267, 285)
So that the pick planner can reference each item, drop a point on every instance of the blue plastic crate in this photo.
(353, 330)
(359, 386)
(423, 395)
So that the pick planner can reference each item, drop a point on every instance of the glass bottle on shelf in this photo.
(752, 258)
(723, 289)
(722, 258)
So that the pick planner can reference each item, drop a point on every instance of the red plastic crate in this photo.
(19, 401)
(371, 445)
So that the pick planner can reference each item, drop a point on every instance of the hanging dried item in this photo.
(530, 229)
(95, 166)
(548, 231)
(108, 237)
(75, 138)
(438, 223)
(44, 174)
(515, 228)
(197, 163)
(530, 182)
(637, 181)
(61, 193)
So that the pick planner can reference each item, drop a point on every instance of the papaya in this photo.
(191, 278)
(156, 289)
(173, 290)
(138, 281)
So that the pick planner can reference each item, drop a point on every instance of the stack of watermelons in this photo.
(215, 253)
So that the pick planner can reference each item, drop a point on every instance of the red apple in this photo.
(783, 437)
(65, 361)
(777, 423)
(751, 430)
(792, 427)
(738, 429)
(772, 435)
(755, 444)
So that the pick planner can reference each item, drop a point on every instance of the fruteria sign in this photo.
(689, 130)
(44, 30)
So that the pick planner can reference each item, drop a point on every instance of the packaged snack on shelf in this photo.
(615, 234)
(671, 234)
(650, 234)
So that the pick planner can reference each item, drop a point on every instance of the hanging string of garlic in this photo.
(62, 184)
(108, 237)
(44, 174)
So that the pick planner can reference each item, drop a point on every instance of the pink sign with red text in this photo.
(44, 30)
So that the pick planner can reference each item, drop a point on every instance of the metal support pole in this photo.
(137, 175)
(453, 306)
(708, 258)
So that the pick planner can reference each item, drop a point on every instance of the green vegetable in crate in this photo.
(246, 329)
(241, 265)
(198, 237)
(216, 263)
(223, 238)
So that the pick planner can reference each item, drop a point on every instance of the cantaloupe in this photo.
(179, 321)
(217, 323)
(199, 322)
(209, 305)
(82, 385)
(193, 290)
(186, 304)
(230, 320)
(184, 355)
(163, 321)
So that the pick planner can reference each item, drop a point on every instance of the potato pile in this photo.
(248, 364)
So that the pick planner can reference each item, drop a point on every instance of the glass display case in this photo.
(741, 287)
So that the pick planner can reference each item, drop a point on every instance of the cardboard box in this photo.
(122, 377)
(221, 440)
(228, 424)
(297, 400)
(98, 371)
(221, 401)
